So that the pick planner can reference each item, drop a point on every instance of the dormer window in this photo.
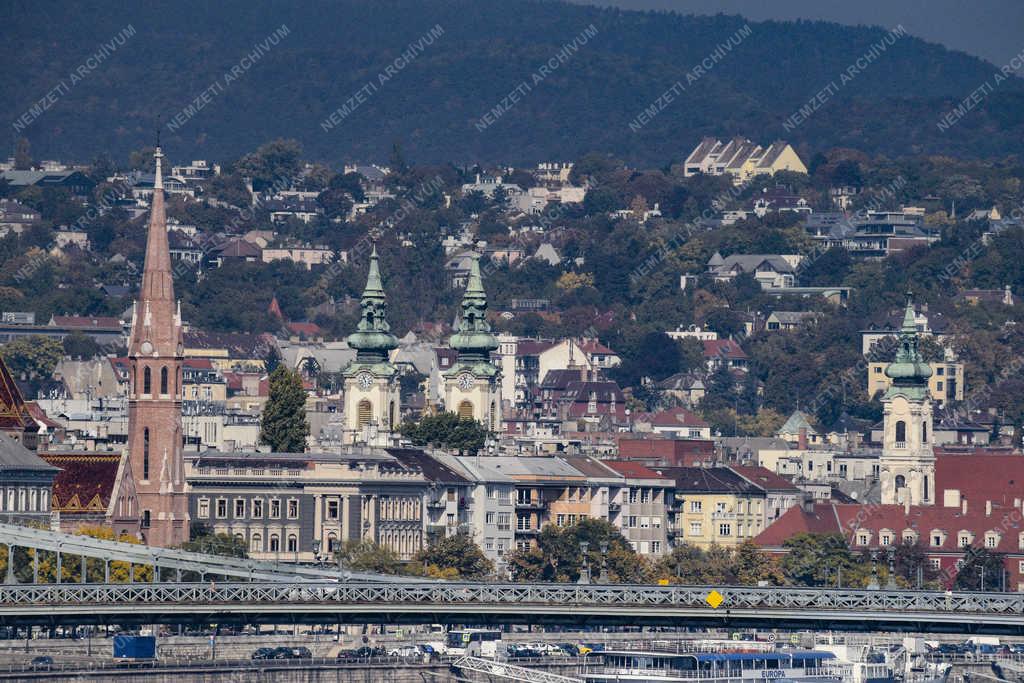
(863, 537)
(938, 539)
(991, 539)
(964, 539)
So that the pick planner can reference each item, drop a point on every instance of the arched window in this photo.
(135, 380)
(256, 543)
(391, 414)
(901, 481)
(364, 414)
(145, 451)
(465, 410)
(163, 380)
(924, 432)
(275, 543)
(901, 434)
(147, 381)
(332, 543)
(145, 519)
(293, 543)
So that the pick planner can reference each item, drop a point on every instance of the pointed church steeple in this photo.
(473, 339)
(909, 368)
(372, 339)
(160, 327)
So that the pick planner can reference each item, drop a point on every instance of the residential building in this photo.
(788, 320)
(714, 506)
(308, 256)
(675, 423)
(718, 352)
(946, 382)
(640, 506)
(741, 159)
(16, 217)
(772, 271)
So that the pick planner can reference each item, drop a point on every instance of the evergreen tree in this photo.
(446, 430)
(283, 424)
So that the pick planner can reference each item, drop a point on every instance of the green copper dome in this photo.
(373, 339)
(909, 368)
(473, 339)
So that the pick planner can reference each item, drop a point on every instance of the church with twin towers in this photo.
(372, 394)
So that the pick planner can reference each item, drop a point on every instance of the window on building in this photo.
(293, 543)
(991, 540)
(935, 562)
(257, 508)
(146, 517)
(256, 543)
(936, 540)
(275, 543)
(645, 522)
(631, 521)
(523, 522)
(696, 528)
(465, 410)
(333, 506)
(293, 509)
(147, 381)
(239, 508)
(163, 380)
(696, 505)
(145, 453)
(504, 521)
(964, 540)
(900, 482)
(560, 519)
(645, 495)
(633, 495)
(885, 539)
(364, 413)
(656, 547)
(901, 434)
(725, 529)
(924, 430)
(222, 508)
(489, 518)
(863, 538)
(275, 508)
(720, 507)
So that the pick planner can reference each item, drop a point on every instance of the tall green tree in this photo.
(283, 425)
(33, 357)
(455, 557)
(367, 556)
(982, 570)
(446, 430)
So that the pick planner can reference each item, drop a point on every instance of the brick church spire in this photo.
(155, 352)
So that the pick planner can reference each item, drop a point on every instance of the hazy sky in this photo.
(991, 29)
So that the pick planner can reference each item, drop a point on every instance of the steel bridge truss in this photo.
(178, 561)
(442, 602)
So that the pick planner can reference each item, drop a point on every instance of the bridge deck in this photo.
(475, 603)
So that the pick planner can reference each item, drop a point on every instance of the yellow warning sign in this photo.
(714, 599)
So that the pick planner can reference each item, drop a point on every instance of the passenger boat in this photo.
(790, 666)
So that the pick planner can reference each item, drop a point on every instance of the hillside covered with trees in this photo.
(209, 76)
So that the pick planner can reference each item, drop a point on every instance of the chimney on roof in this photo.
(807, 503)
(988, 508)
(801, 439)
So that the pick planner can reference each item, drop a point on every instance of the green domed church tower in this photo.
(472, 387)
(908, 461)
(372, 396)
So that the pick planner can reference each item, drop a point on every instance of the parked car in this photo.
(405, 652)
(41, 663)
(349, 655)
(301, 653)
(281, 653)
(263, 653)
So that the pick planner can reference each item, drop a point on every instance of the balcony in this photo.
(532, 531)
(673, 532)
(532, 504)
(437, 504)
(614, 507)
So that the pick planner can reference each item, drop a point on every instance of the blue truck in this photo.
(134, 649)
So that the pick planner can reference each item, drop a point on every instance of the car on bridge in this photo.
(41, 663)
(263, 653)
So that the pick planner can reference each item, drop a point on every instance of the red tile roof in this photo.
(723, 348)
(764, 478)
(198, 363)
(14, 416)
(532, 347)
(595, 346)
(979, 478)
(307, 329)
(79, 322)
(676, 417)
(85, 482)
(632, 469)
(848, 519)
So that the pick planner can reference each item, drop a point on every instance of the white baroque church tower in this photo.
(908, 461)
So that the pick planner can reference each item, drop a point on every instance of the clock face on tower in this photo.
(465, 381)
(146, 347)
(364, 380)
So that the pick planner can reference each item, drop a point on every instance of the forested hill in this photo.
(433, 104)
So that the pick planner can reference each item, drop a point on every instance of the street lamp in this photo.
(891, 583)
(585, 572)
(873, 585)
(317, 558)
(604, 564)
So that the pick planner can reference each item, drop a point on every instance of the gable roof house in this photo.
(772, 271)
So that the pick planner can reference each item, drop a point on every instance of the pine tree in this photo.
(283, 424)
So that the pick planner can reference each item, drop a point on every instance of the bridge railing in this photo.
(444, 593)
